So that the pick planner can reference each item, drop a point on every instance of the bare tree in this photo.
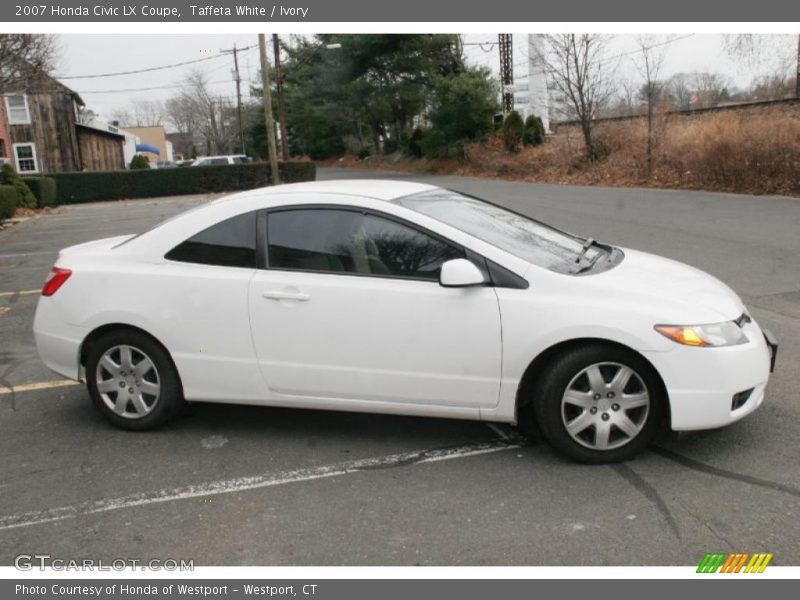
(182, 117)
(648, 63)
(577, 69)
(680, 91)
(24, 58)
(750, 47)
(626, 101)
(141, 113)
(710, 88)
(215, 117)
(123, 116)
(771, 87)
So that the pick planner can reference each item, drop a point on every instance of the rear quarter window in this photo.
(229, 243)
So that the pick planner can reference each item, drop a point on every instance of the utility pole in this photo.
(267, 97)
(238, 80)
(276, 48)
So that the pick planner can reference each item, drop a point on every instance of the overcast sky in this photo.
(101, 54)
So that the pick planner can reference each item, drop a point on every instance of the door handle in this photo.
(282, 295)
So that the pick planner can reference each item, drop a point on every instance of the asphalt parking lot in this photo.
(231, 485)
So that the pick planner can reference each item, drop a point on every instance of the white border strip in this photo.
(308, 27)
(314, 573)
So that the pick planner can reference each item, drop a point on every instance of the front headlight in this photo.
(713, 335)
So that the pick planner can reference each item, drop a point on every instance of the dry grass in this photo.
(726, 151)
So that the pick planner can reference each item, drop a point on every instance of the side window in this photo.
(401, 251)
(230, 243)
(341, 241)
(312, 240)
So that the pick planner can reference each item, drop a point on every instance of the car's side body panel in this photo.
(372, 338)
(375, 344)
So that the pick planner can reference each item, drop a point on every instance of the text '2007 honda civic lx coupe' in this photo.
(402, 298)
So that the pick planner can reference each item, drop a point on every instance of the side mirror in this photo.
(459, 272)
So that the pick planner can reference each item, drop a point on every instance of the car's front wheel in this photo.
(132, 381)
(599, 404)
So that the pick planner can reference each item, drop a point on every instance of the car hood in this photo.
(670, 288)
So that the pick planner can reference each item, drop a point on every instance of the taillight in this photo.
(57, 278)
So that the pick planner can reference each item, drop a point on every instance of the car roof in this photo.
(226, 156)
(377, 189)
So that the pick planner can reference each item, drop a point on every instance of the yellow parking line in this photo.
(20, 293)
(44, 385)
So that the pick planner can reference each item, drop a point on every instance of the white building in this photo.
(537, 100)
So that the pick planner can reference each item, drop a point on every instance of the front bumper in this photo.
(702, 382)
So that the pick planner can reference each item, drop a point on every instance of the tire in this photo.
(599, 404)
(152, 393)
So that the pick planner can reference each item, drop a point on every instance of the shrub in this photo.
(462, 108)
(140, 161)
(414, 143)
(363, 153)
(533, 133)
(115, 185)
(8, 201)
(44, 188)
(25, 199)
(512, 131)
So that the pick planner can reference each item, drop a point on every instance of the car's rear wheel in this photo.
(132, 381)
(599, 404)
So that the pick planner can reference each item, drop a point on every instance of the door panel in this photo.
(370, 338)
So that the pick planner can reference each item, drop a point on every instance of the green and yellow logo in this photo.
(736, 562)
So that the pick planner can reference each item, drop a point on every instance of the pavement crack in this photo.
(695, 465)
(649, 492)
(4, 382)
(710, 527)
(426, 455)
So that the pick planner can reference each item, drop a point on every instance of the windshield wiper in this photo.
(585, 248)
(590, 265)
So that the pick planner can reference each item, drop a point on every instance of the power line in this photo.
(148, 70)
(638, 50)
(144, 89)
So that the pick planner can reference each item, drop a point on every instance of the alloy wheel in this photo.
(605, 406)
(128, 381)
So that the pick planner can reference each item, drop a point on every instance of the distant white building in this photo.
(537, 97)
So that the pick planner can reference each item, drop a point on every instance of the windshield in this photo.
(525, 238)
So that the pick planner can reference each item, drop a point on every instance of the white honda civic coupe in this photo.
(402, 298)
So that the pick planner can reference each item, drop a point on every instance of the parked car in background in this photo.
(186, 162)
(166, 164)
(403, 298)
(230, 159)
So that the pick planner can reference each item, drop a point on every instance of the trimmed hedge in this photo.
(44, 188)
(96, 186)
(8, 201)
